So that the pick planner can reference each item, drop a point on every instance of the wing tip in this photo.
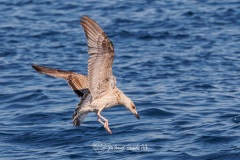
(84, 18)
(33, 65)
(36, 67)
(42, 69)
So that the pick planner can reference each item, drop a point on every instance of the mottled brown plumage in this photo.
(99, 88)
(101, 54)
(76, 81)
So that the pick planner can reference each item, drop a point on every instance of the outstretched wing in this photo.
(77, 82)
(79, 114)
(101, 54)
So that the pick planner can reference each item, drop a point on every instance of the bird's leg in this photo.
(99, 120)
(105, 124)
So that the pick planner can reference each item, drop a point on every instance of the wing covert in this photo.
(101, 55)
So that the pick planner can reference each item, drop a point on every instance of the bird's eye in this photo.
(133, 107)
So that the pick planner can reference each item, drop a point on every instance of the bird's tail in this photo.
(80, 112)
(78, 118)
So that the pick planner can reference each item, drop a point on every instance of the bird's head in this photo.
(131, 107)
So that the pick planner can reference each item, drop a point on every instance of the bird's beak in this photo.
(138, 117)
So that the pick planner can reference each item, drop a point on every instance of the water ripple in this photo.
(177, 60)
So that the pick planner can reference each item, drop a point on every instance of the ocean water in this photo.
(179, 61)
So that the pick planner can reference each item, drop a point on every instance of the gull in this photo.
(98, 90)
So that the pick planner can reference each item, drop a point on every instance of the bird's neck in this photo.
(120, 96)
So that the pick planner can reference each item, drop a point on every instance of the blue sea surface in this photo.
(179, 61)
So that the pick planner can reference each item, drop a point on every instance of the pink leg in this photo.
(104, 124)
(99, 120)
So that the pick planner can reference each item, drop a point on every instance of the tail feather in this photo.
(79, 114)
(78, 119)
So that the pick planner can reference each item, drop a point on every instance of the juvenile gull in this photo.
(98, 90)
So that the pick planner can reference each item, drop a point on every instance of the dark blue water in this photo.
(178, 60)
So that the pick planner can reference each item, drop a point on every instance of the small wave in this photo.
(30, 96)
(236, 119)
(188, 13)
(215, 139)
(34, 117)
(156, 112)
(205, 86)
